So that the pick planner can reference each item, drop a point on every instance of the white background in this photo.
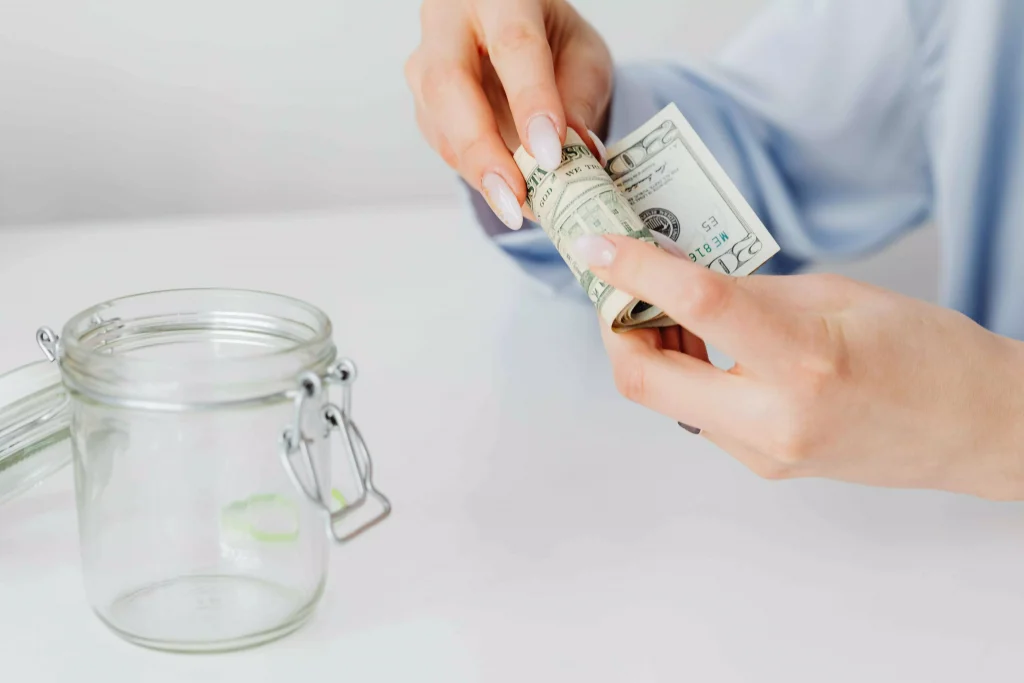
(129, 109)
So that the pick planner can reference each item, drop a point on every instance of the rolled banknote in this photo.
(579, 198)
(659, 178)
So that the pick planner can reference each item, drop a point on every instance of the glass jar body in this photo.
(193, 534)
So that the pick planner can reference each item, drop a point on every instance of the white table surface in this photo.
(544, 528)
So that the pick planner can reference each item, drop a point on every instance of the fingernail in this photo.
(545, 146)
(667, 244)
(502, 200)
(693, 430)
(602, 152)
(592, 250)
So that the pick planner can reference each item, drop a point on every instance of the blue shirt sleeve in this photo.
(817, 112)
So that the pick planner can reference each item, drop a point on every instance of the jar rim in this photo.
(94, 370)
(324, 328)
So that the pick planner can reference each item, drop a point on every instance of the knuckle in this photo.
(472, 152)
(411, 68)
(515, 37)
(433, 78)
(631, 379)
(815, 380)
(796, 449)
(529, 96)
(704, 296)
(825, 360)
(794, 442)
(447, 153)
(795, 428)
(771, 470)
(425, 126)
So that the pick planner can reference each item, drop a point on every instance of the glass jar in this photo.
(200, 429)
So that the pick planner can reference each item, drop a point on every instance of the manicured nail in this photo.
(545, 146)
(668, 245)
(502, 200)
(602, 152)
(592, 250)
(693, 430)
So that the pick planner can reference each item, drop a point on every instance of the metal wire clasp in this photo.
(296, 442)
(49, 342)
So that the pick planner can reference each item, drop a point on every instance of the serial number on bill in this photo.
(708, 248)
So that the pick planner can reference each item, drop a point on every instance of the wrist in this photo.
(1002, 423)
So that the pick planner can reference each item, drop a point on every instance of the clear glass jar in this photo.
(201, 429)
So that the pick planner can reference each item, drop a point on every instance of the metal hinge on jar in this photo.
(297, 443)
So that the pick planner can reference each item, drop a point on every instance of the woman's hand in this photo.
(833, 378)
(489, 73)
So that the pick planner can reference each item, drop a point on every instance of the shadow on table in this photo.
(579, 462)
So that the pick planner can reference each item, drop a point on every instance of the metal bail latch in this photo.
(295, 442)
(48, 341)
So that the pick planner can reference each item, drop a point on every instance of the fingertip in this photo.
(502, 200)
(627, 242)
(544, 140)
(595, 252)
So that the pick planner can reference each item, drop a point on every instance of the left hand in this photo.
(833, 378)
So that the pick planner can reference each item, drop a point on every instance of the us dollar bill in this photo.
(580, 198)
(660, 178)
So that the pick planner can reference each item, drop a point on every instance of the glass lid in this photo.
(34, 422)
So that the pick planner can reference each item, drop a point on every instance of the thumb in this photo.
(584, 78)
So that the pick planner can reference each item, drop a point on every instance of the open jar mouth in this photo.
(193, 348)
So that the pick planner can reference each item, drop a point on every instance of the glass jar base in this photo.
(208, 613)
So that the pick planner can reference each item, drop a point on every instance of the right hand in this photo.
(489, 73)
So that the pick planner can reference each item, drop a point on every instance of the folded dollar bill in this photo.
(659, 178)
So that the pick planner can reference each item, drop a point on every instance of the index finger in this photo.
(447, 76)
(716, 307)
(517, 42)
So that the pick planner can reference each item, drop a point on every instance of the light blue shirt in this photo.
(846, 123)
